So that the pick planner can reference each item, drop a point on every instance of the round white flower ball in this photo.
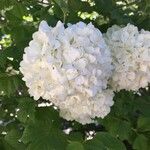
(130, 51)
(70, 67)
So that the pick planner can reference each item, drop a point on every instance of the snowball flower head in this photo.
(69, 67)
(131, 57)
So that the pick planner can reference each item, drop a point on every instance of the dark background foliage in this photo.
(24, 125)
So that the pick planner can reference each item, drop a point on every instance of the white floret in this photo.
(70, 67)
(131, 57)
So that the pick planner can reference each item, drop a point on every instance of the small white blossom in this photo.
(131, 57)
(70, 67)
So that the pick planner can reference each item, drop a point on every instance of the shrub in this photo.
(24, 122)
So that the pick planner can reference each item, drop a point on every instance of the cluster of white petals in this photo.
(70, 67)
(131, 57)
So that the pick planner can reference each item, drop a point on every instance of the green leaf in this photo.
(5, 146)
(12, 138)
(141, 143)
(76, 136)
(104, 141)
(3, 57)
(6, 3)
(26, 109)
(19, 10)
(9, 83)
(63, 5)
(49, 116)
(43, 137)
(42, 133)
(117, 127)
(143, 124)
(124, 104)
(75, 146)
(142, 104)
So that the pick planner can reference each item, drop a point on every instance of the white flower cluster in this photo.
(131, 57)
(70, 67)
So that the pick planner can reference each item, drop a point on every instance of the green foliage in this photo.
(9, 84)
(141, 142)
(12, 138)
(143, 124)
(117, 127)
(24, 125)
(102, 141)
(26, 109)
(74, 146)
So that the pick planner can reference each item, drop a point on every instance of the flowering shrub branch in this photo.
(74, 85)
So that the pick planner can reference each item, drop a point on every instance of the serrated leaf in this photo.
(103, 141)
(75, 146)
